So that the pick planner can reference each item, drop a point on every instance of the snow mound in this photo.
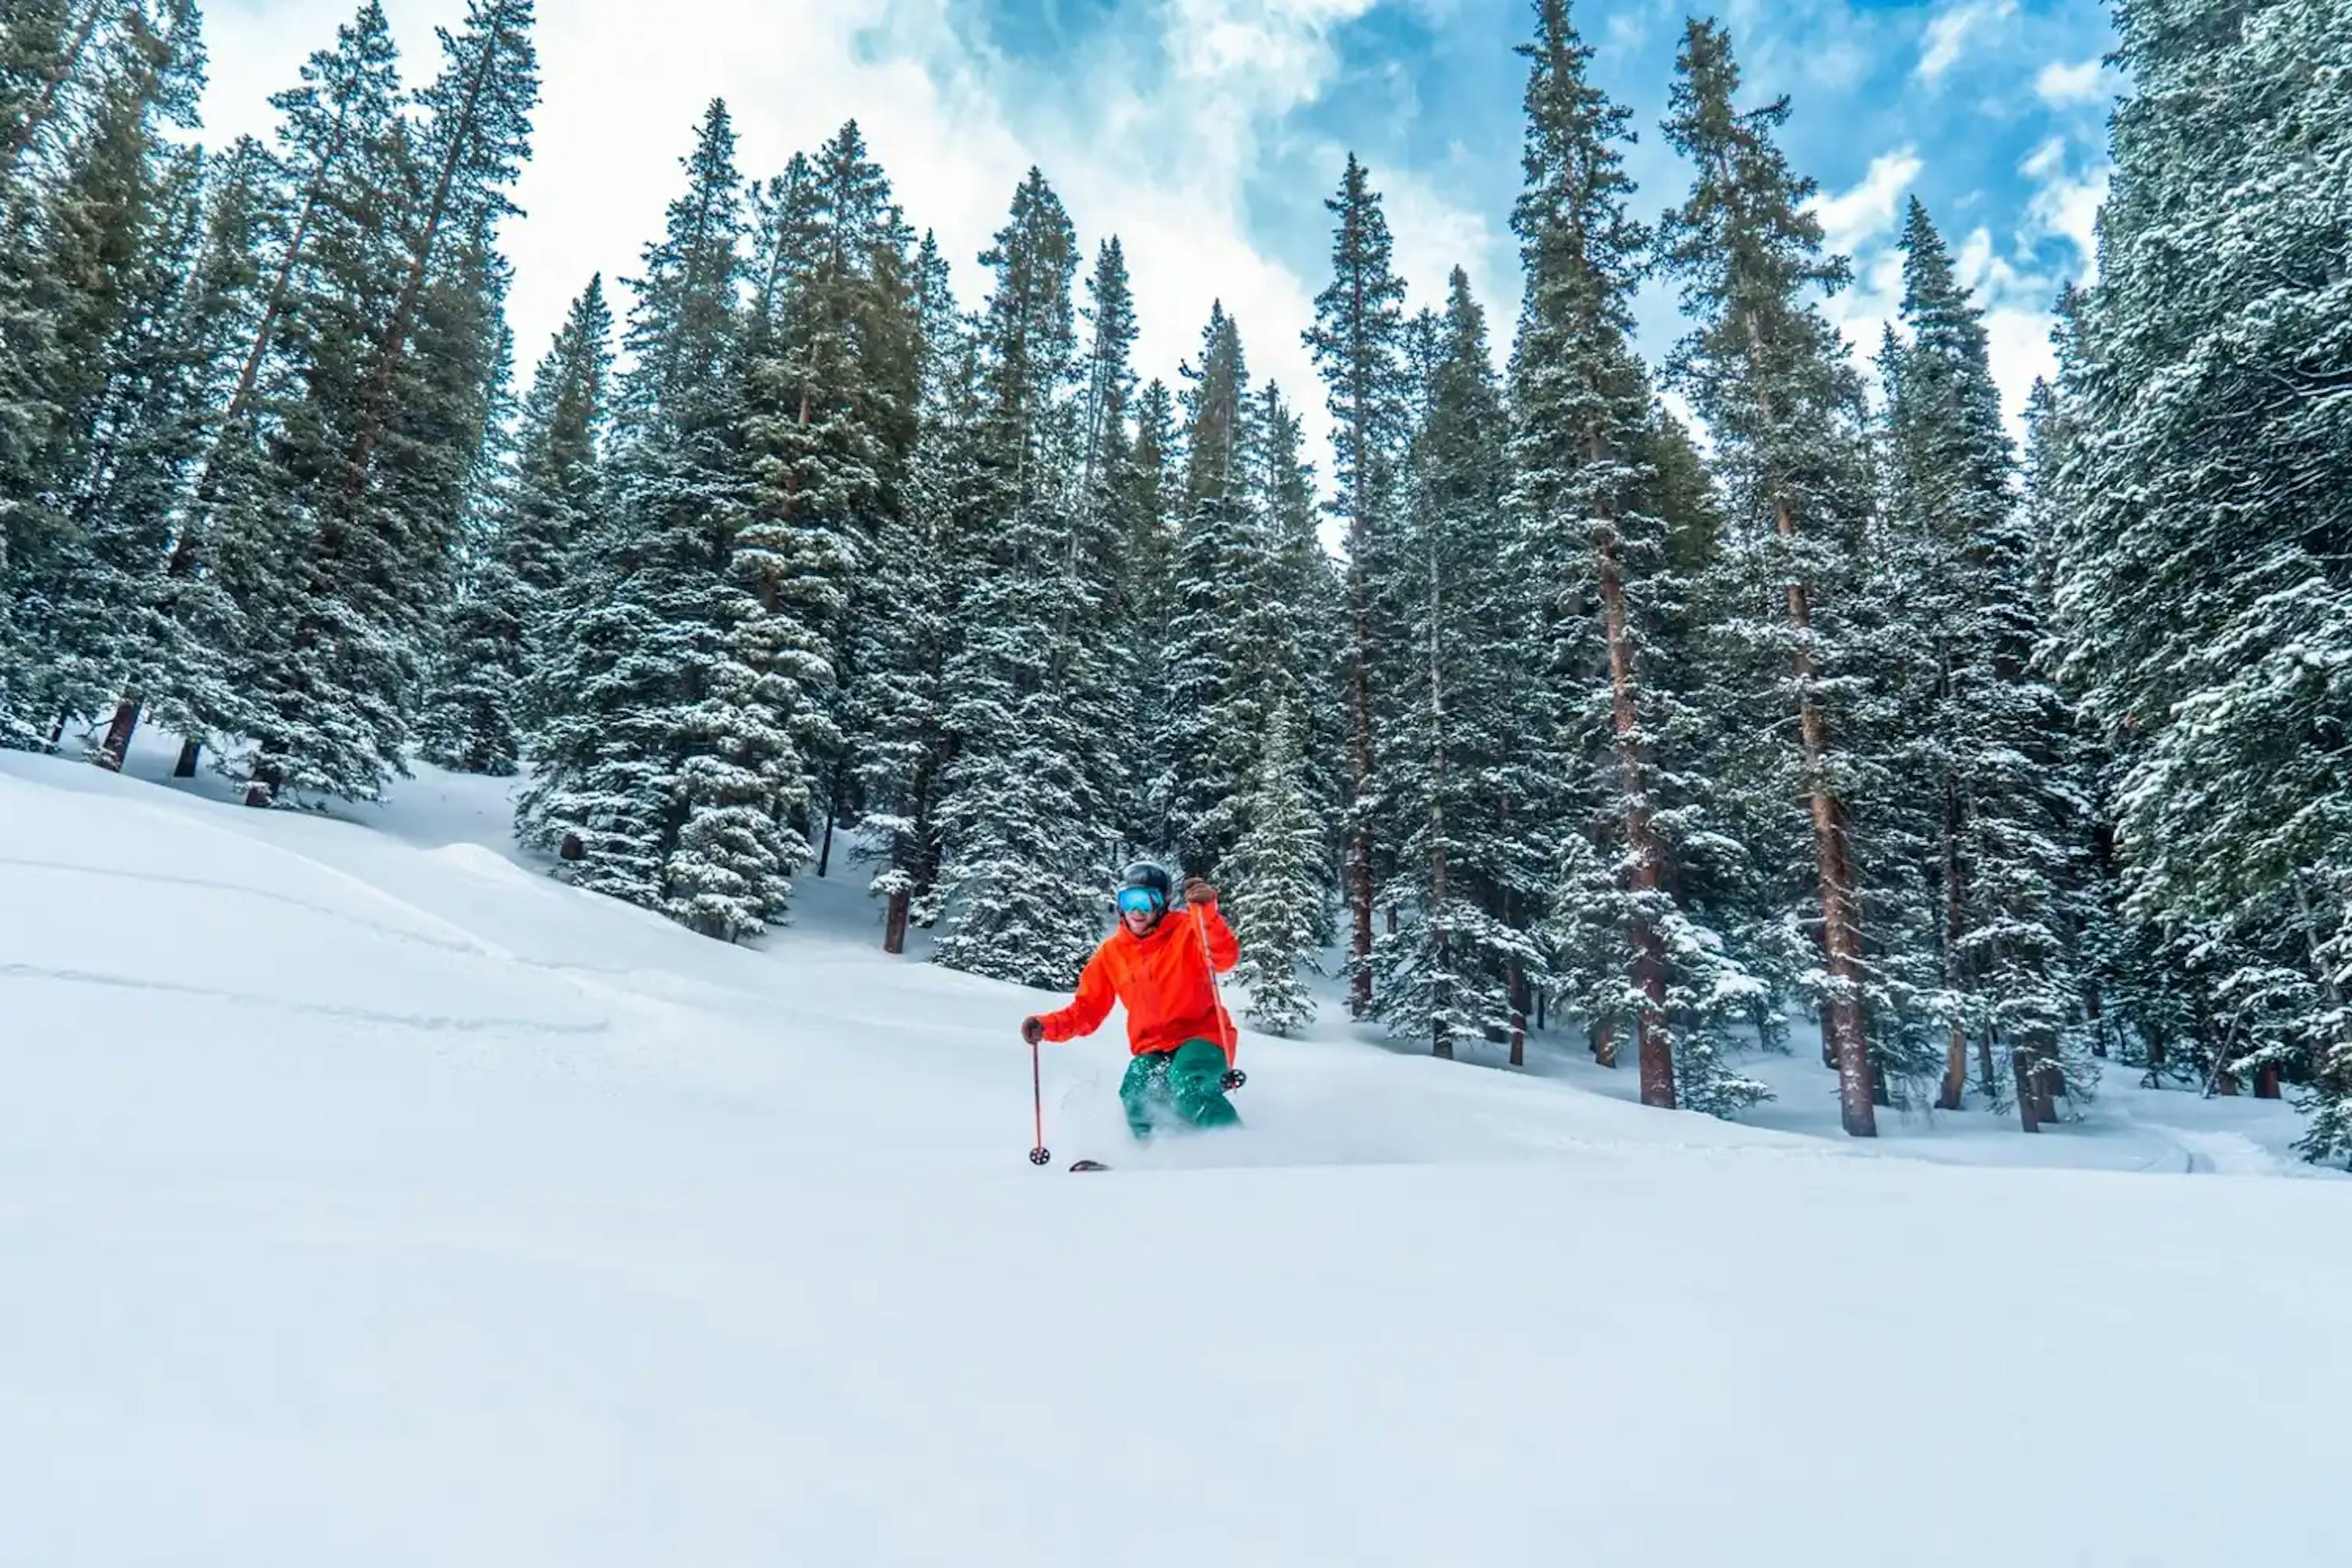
(370, 1198)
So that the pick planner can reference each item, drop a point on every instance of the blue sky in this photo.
(1208, 133)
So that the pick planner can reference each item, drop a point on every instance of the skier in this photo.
(1157, 964)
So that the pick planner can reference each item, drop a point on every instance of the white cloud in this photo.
(1850, 218)
(2061, 86)
(2064, 205)
(1950, 30)
(1150, 132)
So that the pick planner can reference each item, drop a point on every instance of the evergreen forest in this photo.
(1682, 705)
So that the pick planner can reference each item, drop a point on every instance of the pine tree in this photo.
(500, 630)
(1359, 342)
(91, 279)
(1460, 967)
(1767, 372)
(2200, 572)
(1097, 619)
(1208, 745)
(1024, 840)
(342, 116)
(1150, 494)
(401, 319)
(1585, 499)
(47, 49)
(900, 643)
(1273, 882)
(641, 618)
(1999, 732)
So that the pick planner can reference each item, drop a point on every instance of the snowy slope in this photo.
(367, 1197)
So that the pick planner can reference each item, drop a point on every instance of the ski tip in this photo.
(1088, 1165)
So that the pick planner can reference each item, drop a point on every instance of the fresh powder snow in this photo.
(368, 1196)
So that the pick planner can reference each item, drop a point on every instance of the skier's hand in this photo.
(1198, 891)
(1032, 1030)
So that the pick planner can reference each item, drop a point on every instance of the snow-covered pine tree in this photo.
(1025, 842)
(1767, 371)
(899, 644)
(1153, 494)
(1274, 881)
(2000, 733)
(1457, 968)
(1584, 497)
(640, 620)
(1358, 341)
(343, 112)
(403, 318)
(829, 398)
(2204, 599)
(479, 711)
(1209, 744)
(1096, 617)
(93, 271)
(48, 49)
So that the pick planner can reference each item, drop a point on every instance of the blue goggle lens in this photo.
(1139, 901)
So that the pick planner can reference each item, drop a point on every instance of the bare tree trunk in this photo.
(1519, 1016)
(1956, 1051)
(2021, 1065)
(894, 922)
(2266, 1082)
(1955, 1092)
(832, 813)
(1604, 1039)
(186, 768)
(1985, 1068)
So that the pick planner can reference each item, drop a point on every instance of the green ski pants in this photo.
(1183, 1086)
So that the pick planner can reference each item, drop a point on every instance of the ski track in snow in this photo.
(371, 1197)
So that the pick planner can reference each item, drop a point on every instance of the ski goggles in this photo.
(1141, 901)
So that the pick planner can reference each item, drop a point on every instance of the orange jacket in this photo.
(1162, 979)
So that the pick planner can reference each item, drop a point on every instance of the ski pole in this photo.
(1040, 1156)
(1235, 1078)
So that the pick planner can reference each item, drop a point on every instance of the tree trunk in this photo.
(1359, 765)
(832, 811)
(2029, 1108)
(1985, 1068)
(1604, 1039)
(186, 768)
(2266, 1082)
(2093, 1010)
(1655, 1046)
(2225, 1081)
(1956, 1051)
(1843, 1038)
(1955, 1092)
(1519, 1016)
(894, 922)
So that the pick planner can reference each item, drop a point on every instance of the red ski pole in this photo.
(1040, 1156)
(1235, 1078)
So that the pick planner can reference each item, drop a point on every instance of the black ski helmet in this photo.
(1146, 874)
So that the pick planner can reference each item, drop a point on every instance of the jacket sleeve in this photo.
(1224, 947)
(1086, 1011)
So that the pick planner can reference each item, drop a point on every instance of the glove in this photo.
(1032, 1030)
(1198, 891)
